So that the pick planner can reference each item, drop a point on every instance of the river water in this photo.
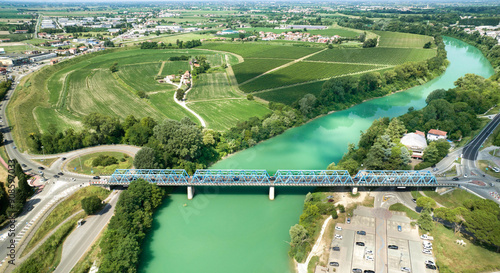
(237, 229)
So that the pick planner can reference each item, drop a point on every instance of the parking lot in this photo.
(370, 251)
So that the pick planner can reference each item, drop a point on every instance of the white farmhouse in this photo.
(434, 134)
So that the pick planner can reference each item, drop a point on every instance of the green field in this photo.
(303, 72)
(224, 113)
(83, 164)
(331, 31)
(291, 94)
(398, 39)
(376, 55)
(219, 104)
(172, 68)
(251, 68)
(62, 94)
(211, 86)
(258, 50)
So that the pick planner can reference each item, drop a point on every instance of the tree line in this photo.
(122, 240)
(179, 44)
(12, 196)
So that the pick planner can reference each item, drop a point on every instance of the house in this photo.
(434, 134)
(416, 143)
(54, 61)
(2, 51)
(73, 50)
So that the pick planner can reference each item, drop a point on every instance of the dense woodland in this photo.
(13, 195)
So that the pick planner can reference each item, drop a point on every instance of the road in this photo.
(81, 239)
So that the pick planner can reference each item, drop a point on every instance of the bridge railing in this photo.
(398, 177)
(157, 176)
(312, 177)
(229, 177)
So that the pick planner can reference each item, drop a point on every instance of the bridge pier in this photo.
(190, 192)
(354, 190)
(271, 193)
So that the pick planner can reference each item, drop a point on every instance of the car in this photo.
(236, 179)
(455, 179)
(357, 270)
(369, 258)
(369, 252)
(361, 232)
(426, 251)
(360, 244)
(429, 262)
(431, 266)
(336, 248)
(12, 146)
(428, 247)
(405, 269)
(400, 228)
(24, 165)
(64, 158)
(414, 200)
(56, 176)
(435, 169)
(40, 172)
(41, 168)
(334, 264)
(60, 173)
(348, 220)
(96, 177)
(393, 247)
(498, 180)
(369, 271)
(338, 236)
(338, 228)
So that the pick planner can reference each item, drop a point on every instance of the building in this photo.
(416, 143)
(41, 57)
(434, 134)
(54, 61)
(2, 51)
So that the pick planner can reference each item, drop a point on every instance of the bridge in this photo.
(242, 177)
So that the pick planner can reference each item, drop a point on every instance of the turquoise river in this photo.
(237, 229)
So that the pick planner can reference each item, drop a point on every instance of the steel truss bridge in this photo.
(316, 178)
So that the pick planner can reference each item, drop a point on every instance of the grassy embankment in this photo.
(65, 209)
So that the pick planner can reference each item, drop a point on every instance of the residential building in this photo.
(416, 143)
(435, 134)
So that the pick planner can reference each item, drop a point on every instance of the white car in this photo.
(428, 247)
(338, 236)
(430, 262)
(338, 228)
(405, 269)
(369, 258)
(426, 251)
(426, 237)
(369, 252)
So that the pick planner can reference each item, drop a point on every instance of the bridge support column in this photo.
(190, 192)
(354, 190)
(271, 193)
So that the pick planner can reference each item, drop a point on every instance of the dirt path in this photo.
(283, 66)
(183, 103)
(161, 68)
(316, 249)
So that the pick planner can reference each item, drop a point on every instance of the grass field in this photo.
(86, 164)
(219, 104)
(258, 50)
(331, 31)
(62, 94)
(291, 94)
(467, 259)
(400, 207)
(212, 86)
(302, 72)
(452, 199)
(376, 55)
(172, 68)
(223, 114)
(251, 68)
(398, 39)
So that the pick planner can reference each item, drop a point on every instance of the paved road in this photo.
(81, 239)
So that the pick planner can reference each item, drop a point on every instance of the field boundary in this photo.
(282, 66)
(161, 68)
(310, 61)
(319, 80)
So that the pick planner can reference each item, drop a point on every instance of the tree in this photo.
(91, 204)
(370, 43)
(425, 220)
(241, 35)
(428, 45)
(298, 235)
(109, 43)
(145, 159)
(426, 202)
(431, 153)
(307, 103)
(334, 214)
(395, 130)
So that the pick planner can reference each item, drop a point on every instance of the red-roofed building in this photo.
(420, 133)
(434, 134)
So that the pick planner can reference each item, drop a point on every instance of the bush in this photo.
(91, 204)
(334, 214)
(341, 208)
(141, 94)
(104, 160)
(249, 97)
